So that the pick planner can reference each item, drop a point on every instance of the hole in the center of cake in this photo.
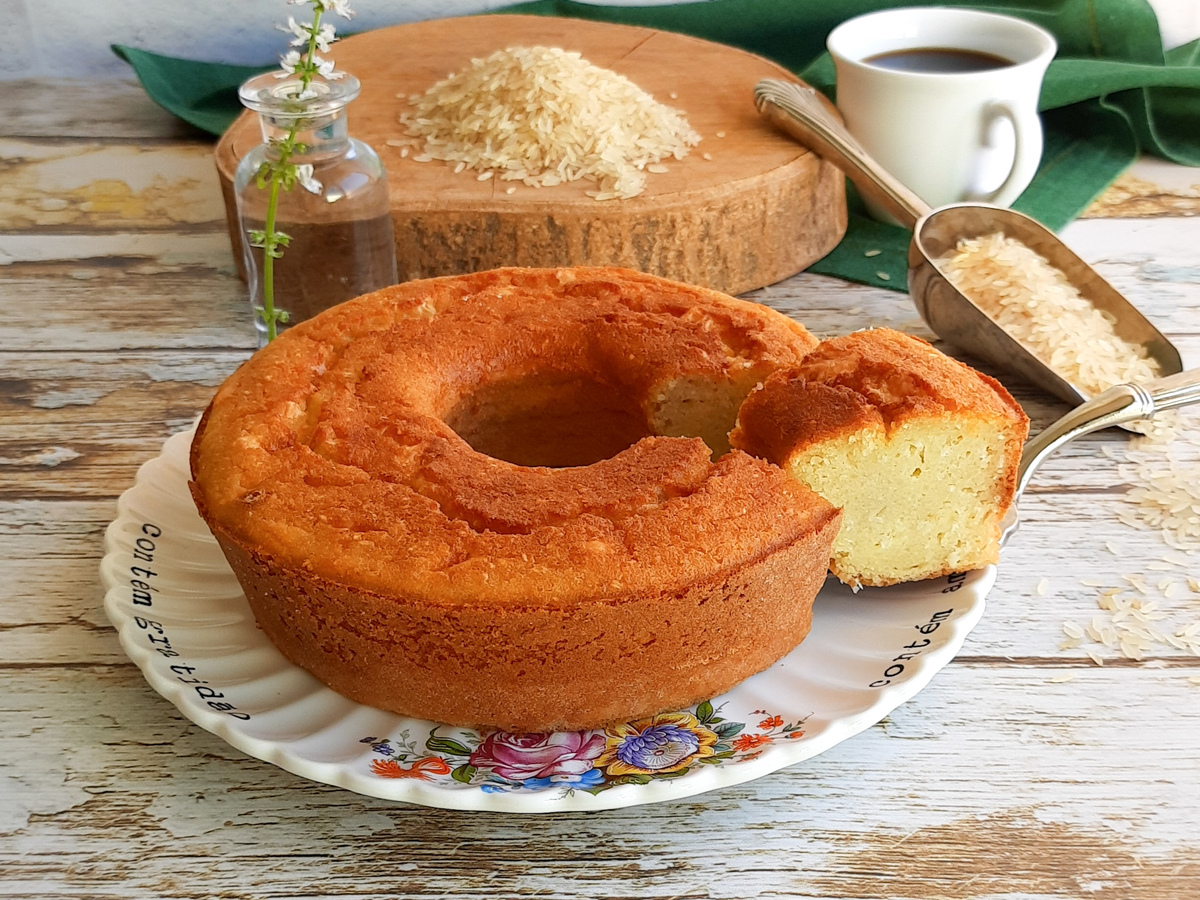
(549, 421)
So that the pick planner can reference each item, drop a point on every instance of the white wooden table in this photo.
(120, 313)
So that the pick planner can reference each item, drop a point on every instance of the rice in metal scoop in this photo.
(1038, 307)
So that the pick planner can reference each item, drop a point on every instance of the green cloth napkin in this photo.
(1111, 92)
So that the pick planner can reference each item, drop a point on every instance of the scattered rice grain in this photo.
(1189, 630)
(1132, 650)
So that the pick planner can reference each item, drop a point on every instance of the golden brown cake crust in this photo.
(880, 376)
(412, 572)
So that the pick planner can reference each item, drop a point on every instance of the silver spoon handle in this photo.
(1118, 405)
(1175, 391)
(801, 112)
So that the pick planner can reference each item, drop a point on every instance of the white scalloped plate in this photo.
(183, 619)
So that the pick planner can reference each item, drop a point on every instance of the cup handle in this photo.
(1027, 152)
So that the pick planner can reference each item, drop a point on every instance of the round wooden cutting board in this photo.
(761, 209)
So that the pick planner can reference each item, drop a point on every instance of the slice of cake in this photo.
(919, 450)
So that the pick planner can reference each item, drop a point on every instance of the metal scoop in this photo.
(804, 114)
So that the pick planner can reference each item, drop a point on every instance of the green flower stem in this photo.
(283, 175)
(269, 251)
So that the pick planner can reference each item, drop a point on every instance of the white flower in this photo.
(341, 7)
(300, 32)
(288, 62)
(304, 175)
(325, 67)
(324, 37)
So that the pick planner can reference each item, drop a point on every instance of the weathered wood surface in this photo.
(116, 322)
(116, 109)
(115, 795)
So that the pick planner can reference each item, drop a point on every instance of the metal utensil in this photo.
(802, 113)
(1117, 406)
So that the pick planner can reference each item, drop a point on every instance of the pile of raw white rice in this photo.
(543, 116)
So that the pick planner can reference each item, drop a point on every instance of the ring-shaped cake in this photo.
(492, 499)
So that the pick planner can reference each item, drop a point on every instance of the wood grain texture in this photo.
(116, 795)
(993, 782)
(759, 209)
(52, 614)
(1151, 188)
(51, 185)
(114, 109)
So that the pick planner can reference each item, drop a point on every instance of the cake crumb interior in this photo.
(926, 491)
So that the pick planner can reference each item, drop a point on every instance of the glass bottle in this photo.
(337, 218)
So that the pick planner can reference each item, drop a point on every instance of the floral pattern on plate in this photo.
(667, 745)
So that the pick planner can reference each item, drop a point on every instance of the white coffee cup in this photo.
(948, 136)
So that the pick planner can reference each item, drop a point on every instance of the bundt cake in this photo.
(918, 450)
(492, 500)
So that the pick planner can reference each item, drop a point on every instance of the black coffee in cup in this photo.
(938, 59)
